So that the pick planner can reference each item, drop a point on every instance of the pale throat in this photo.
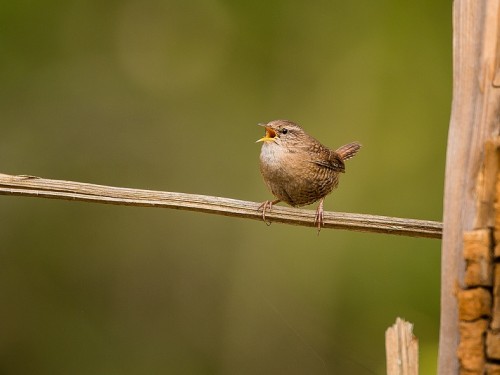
(271, 153)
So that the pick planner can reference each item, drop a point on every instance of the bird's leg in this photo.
(265, 206)
(318, 219)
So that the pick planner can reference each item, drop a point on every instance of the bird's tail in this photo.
(349, 150)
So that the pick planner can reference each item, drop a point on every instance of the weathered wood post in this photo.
(401, 348)
(474, 119)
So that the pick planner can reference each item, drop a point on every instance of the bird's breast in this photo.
(270, 154)
(293, 177)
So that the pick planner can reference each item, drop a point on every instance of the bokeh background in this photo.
(166, 95)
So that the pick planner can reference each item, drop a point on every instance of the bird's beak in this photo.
(270, 135)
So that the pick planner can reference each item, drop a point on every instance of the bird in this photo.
(297, 168)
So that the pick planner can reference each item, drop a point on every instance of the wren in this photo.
(298, 169)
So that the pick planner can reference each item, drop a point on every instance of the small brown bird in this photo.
(297, 168)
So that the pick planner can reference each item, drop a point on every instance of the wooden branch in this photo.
(401, 349)
(77, 191)
(474, 119)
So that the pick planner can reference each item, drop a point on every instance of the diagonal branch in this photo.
(77, 191)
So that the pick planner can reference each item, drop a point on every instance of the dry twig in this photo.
(76, 191)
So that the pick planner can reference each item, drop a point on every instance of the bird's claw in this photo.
(266, 206)
(318, 219)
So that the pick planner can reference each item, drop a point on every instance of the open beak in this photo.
(270, 135)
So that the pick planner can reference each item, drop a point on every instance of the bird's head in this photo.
(282, 132)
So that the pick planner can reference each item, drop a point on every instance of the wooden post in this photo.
(474, 119)
(401, 349)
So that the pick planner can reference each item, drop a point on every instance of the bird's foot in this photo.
(267, 206)
(318, 219)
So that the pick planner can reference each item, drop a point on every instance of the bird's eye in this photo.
(284, 131)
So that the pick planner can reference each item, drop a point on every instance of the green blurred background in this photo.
(166, 95)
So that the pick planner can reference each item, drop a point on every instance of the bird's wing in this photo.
(320, 155)
(327, 158)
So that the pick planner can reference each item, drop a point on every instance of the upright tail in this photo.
(348, 151)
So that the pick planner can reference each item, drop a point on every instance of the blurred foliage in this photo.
(165, 95)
